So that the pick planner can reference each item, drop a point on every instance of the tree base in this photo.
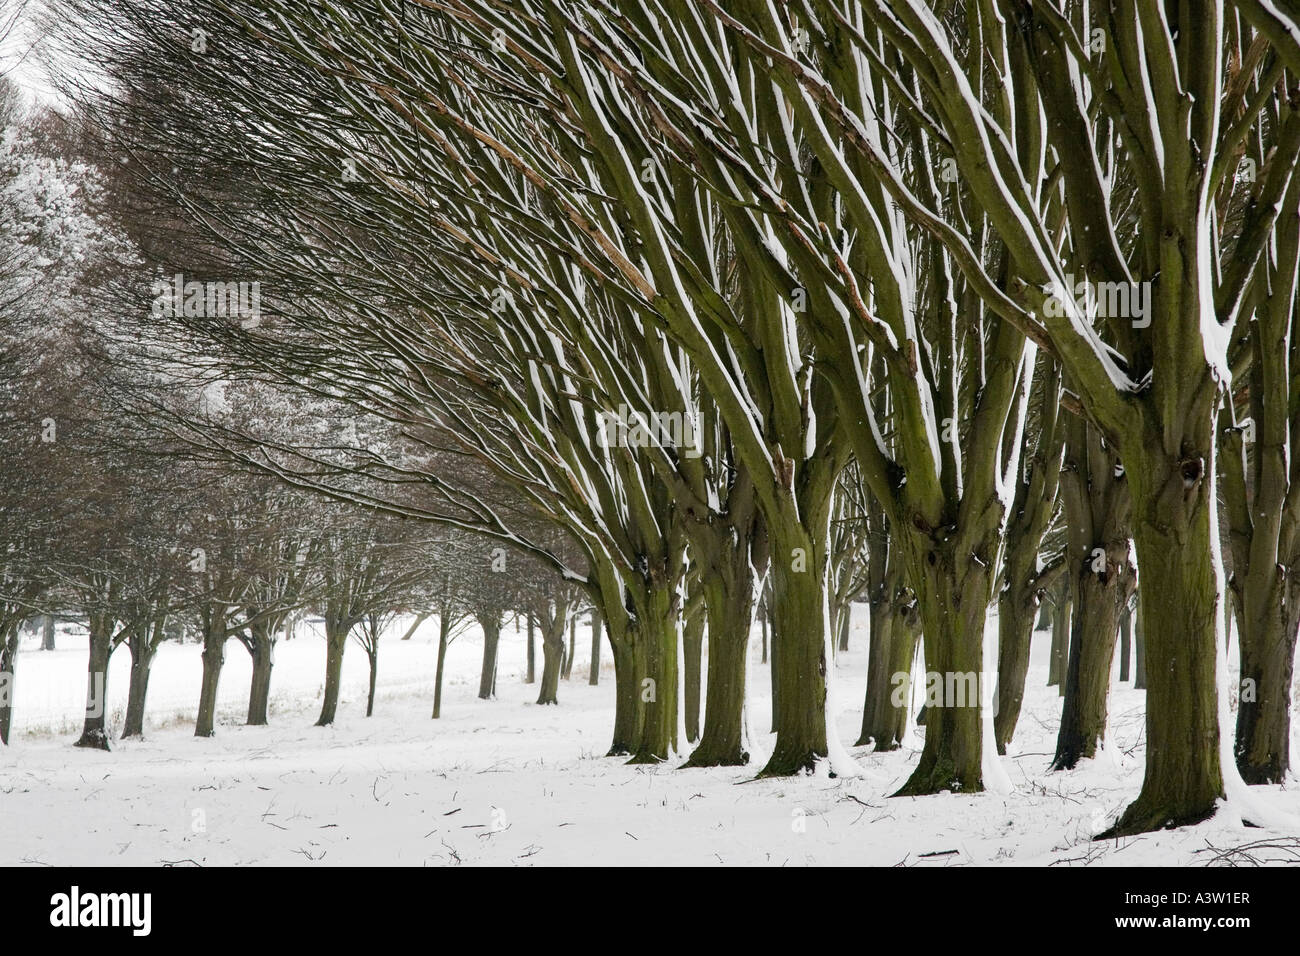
(644, 758)
(1261, 774)
(94, 740)
(792, 764)
(940, 778)
(1140, 819)
(734, 758)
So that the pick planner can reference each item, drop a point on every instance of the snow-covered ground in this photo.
(508, 782)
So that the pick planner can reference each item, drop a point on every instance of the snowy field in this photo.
(507, 782)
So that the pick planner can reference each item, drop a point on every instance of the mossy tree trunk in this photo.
(952, 603)
(800, 624)
(693, 649)
(1180, 617)
(1097, 516)
(891, 650)
(727, 583)
(655, 653)
(593, 671)
(1024, 581)
(1263, 519)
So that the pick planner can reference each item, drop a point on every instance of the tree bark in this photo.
(1139, 650)
(1266, 645)
(655, 654)
(627, 710)
(487, 681)
(593, 674)
(94, 733)
(142, 655)
(572, 651)
(336, 642)
(1125, 643)
(552, 657)
(1015, 633)
(420, 619)
(952, 602)
(532, 653)
(262, 652)
(800, 618)
(693, 648)
(444, 637)
(1061, 618)
(372, 655)
(1098, 511)
(891, 652)
(728, 586)
(1180, 616)
(47, 632)
(8, 679)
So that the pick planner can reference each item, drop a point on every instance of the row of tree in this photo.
(941, 300)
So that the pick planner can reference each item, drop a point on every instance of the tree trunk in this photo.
(372, 654)
(891, 651)
(1180, 616)
(1098, 509)
(1092, 649)
(627, 710)
(729, 606)
(573, 640)
(444, 636)
(259, 691)
(94, 733)
(1061, 619)
(214, 658)
(47, 632)
(845, 617)
(415, 625)
(336, 642)
(655, 654)
(693, 648)
(8, 675)
(532, 653)
(142, 654)
(800, 619)
(1125, 642)
(1015, 633)
(952, 601)
(762, 617)
(773, 672)
(552, 660)
(1267, 642)
(593, 674)
(487, 680)
(1139, 650)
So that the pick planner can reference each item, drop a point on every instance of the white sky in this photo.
(21, 50)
